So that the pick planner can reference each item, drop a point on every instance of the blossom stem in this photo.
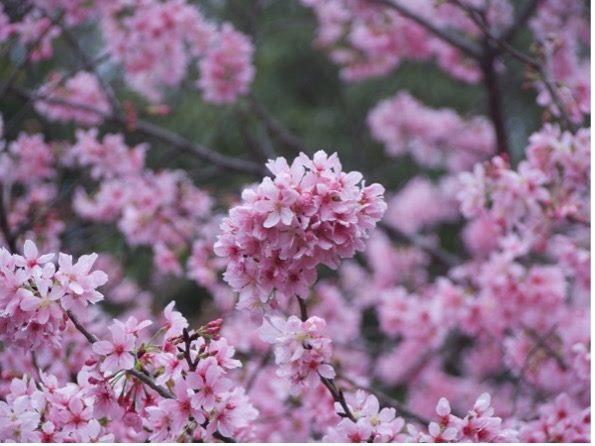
(86, 333)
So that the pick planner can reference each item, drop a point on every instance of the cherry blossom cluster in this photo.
(309, 213)
(473, 292)
(155, 41)
(197, 400)
(434, 137)
(301, 349)
(547, 188)
(82, 89)
(422, 204)
(562, 30)
(35, 294)
(366, 38)
(368, 423)
(479, 425)
(163, 210)
(169, 390)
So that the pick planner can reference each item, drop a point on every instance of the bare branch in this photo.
(80, 327)
(277, 128)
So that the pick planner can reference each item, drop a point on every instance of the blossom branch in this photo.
(465, 46)
(160, 133)
(80, 327)
(144, 378)
(89, 64)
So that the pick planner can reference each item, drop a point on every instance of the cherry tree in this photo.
(326, 305)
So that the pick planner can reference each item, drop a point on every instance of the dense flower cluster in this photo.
(420, 204)
(529, 202)
(367, 39)
(34, 294)
(82, 89)
(301, 349)
(479, 425)
(309, 213)
(160, 209)
(157, 40)
(226, 70)
(154, 40)
(433, 137)
(197, 401)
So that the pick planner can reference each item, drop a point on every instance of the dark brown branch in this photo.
(149, 382)
(467, 47)
(90, 336)
(303, 309)
(521, 20)
(495, 108)
(9, 236)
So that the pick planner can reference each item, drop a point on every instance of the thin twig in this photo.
(446, 258)
(149, 382)
(80, 327)
(144, 378)
(275, 126)
(89, 65)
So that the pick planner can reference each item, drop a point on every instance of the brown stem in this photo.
(9, 236)
(86, 333)
(495, 109)
(145, 379)
(303, 309)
